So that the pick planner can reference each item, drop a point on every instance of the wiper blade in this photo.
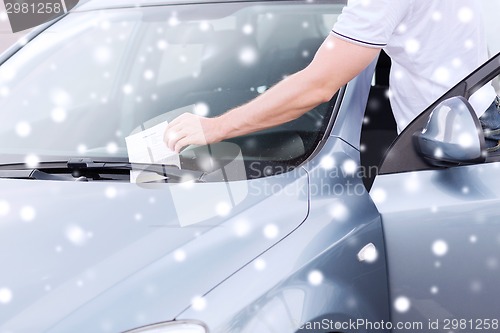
(82, 169)
(30, 174)
(169, 171)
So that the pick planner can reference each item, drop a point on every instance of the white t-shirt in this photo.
(433, 44)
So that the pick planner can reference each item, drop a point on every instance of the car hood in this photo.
(92, 257)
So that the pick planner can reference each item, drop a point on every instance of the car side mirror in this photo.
(452, 135)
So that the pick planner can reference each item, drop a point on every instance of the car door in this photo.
(442, 230)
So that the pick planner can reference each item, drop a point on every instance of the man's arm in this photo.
(335, 63)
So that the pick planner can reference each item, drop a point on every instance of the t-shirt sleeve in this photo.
(371, 22)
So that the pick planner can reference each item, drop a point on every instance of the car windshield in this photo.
(87, 82)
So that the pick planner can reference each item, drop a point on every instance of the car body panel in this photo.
(447, 222)
(78, 262)
(342, 220)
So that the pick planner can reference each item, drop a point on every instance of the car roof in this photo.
(105, 4)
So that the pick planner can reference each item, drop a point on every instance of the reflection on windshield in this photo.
(86, 83)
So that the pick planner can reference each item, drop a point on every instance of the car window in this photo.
(88, 81)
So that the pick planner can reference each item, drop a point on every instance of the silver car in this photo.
(292, 229)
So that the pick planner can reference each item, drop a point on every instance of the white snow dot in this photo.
(58, 248)
(201, 109)
(437, 16)
(305, 24)
(434, 290)
(23, 129)
(102, 55)
(339, 211)
(76, 235)
(138, 216)
(31, 161)
(388, 93)
(437, 264)
(378, 195)
(469, 44)
(247, 29)
(173, 21)
(204, 26)
(112, 147)
(402, 304)
(241, 228)
(161, 44)
(149, 74)
(3, 16)
(439, 248)
(27, 213)
(412, 184)
(465, 14)
(271, 231)
(110, 192)
(180, 255)
(58, 115)
(456, 62)
(60, 97)
(128, 89)
(198, 303)
(438, 153)
(349, 167)
(412, 46)
(402, 28)
(223, 208)
(259, 264)
(81, 148)
(248, 55)
(473, 239)
(465, 190)
(5, 295)
(434, 209)
(398, 75)
(4, 208)
(327, 163)
(442, 75)
(315, 278)
(465, 140)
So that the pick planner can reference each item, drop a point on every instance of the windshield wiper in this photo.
(81, 169)
(171, 172)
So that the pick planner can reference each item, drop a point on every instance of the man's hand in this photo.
(190, 129)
